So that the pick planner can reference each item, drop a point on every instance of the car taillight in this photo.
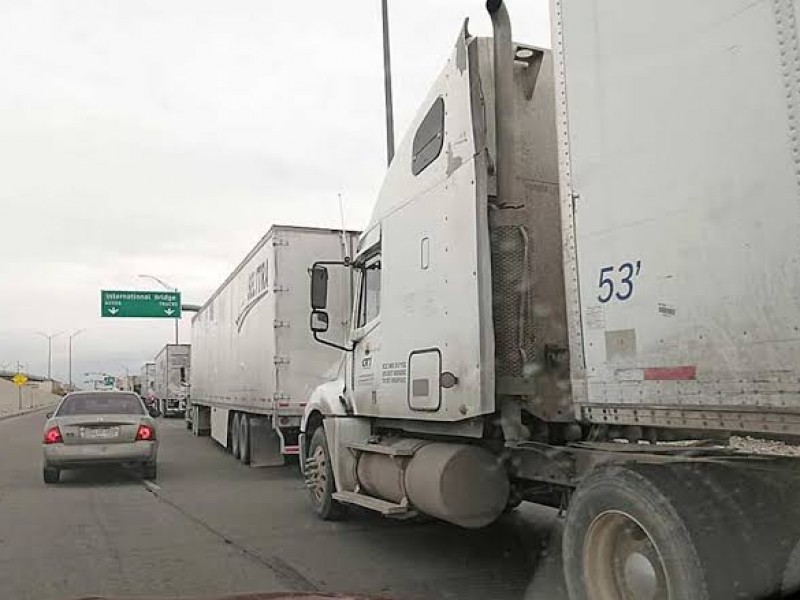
(53, 436)
(145, 434)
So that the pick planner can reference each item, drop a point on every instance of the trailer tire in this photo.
(244, 439)
(319, 478)
(624, 536)
(234, 434)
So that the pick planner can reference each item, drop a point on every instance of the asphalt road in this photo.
(211, 526)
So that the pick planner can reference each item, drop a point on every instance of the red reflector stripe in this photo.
(670, 373)
(283, 404)
(291, 449)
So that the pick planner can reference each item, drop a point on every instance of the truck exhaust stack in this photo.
(503, 97)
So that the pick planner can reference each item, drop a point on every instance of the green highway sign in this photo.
(116, 303)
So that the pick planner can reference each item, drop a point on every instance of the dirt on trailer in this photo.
(766, 447)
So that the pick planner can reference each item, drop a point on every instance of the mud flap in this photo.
(265, 444)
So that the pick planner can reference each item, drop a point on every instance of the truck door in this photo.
(366, 335)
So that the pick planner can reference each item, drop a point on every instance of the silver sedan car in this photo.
(95, 428)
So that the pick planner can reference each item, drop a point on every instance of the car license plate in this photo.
(99, 433)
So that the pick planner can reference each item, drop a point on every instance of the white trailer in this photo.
(172, 377)
(147, 380)
(581, 262)
(255, 362)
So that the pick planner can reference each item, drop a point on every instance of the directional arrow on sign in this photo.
(168, 311)
(113, 311)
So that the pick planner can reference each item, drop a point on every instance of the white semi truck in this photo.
(254, 360)
(147, 380)
(172, 378)
(581, 262)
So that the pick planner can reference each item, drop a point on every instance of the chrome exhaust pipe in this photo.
(503, 99)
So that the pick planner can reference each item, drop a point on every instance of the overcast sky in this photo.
(166, 136)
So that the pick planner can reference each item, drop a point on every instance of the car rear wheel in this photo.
(51, 474)
(150, 470)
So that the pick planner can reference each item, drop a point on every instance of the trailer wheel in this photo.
(234, 434)
(623, 538)
(244, 439)
(319, 478)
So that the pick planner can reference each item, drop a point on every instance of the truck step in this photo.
(382, 449)
(376, 504)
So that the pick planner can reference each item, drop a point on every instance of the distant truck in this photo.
(148, 380)
(255, 363)
(172, 376)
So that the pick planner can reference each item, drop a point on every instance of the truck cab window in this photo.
(429, 138)
(369, 304)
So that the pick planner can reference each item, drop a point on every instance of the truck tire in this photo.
(51, 474)
(623, 538)
(319, 478)
(707, 530)
(234, 435)
(244, 439)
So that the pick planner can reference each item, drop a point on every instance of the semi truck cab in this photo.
(484, 367)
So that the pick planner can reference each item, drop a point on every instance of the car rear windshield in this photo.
(101, 404)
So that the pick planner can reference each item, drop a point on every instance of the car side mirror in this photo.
(319, 288)
(48, 415)
(319, 321)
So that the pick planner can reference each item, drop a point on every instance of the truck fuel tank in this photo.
(459, 483)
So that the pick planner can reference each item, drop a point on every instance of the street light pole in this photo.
(49, 337)
(72, 335)
(171, 288)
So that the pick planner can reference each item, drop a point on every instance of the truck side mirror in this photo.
(319, 290)
(319, 321)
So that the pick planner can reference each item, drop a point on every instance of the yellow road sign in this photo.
(20, 379)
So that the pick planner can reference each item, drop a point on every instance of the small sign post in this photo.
(20, 379)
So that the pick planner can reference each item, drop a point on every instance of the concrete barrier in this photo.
(34, 395)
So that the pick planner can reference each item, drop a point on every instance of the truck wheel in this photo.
(623, 538)
(234, 434)
(319, 478)
(51, 474)
(244, 439)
